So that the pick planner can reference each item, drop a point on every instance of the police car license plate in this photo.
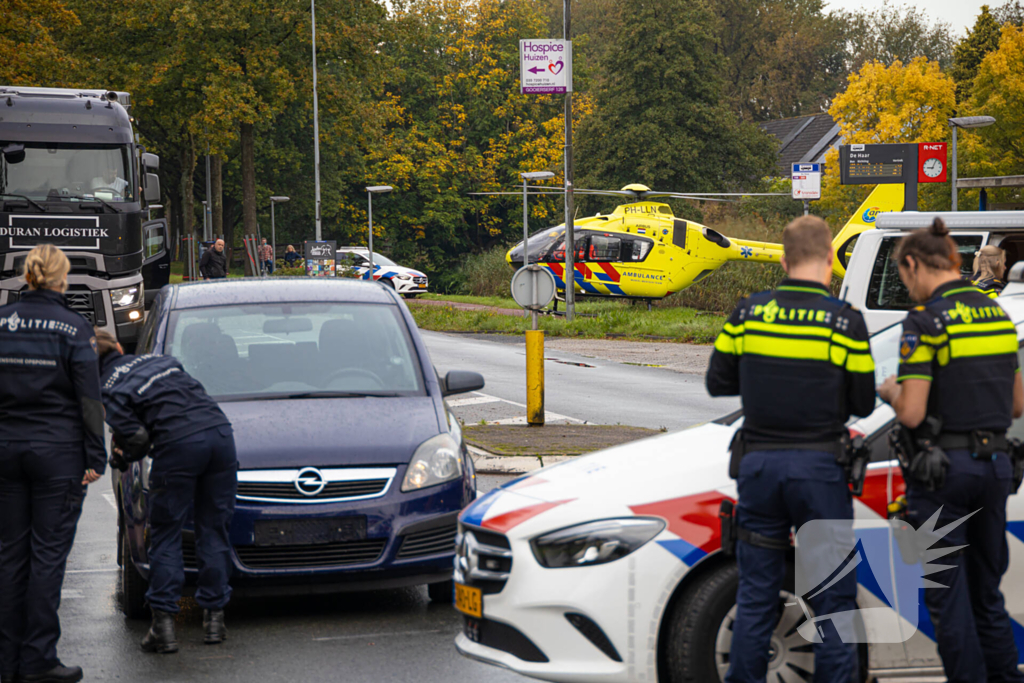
(421, 286)
(469, 600)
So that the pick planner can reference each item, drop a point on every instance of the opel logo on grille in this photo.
(309, 481)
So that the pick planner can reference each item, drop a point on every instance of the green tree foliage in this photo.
(896, 33)
(968, 53)
(30, 34)
(659, 117)
(782, 57)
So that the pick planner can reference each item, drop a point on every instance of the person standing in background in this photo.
(214, 263)
(267, 257)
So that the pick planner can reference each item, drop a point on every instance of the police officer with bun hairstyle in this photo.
(51, 448)
(801, 363)
(957, 391)
(152, 403)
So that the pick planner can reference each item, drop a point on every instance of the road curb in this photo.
(488, 463)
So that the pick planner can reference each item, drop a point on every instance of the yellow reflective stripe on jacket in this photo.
(725, 343)
(795, 330)
(922, 354)
(997, 326)
(860, 362)
(989, 345)
(780, 347)
(851, 343)
(936, 340)
(733, 329)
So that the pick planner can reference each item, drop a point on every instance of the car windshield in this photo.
(382, 260)
(74, 172)
(299, 350)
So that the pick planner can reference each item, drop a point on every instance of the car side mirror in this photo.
(461, 381)
(152, 187)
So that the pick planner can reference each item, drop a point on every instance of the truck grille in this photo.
(431, 542)
(81, 302)
(482, 559)
(311, 556)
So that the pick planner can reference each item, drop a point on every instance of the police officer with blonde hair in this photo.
(989, 269)
(51, 448)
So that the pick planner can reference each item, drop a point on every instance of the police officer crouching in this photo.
(51, 448)
(957, 391)
(152, 402)
(801, 363)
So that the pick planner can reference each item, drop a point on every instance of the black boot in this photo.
(58, 674)
(161, 638)
(213, 624)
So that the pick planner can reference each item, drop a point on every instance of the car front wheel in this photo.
(133, 586)
(700, 633)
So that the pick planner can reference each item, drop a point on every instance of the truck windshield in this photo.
(52, 171)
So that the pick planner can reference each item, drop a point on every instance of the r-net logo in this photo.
(892, 561)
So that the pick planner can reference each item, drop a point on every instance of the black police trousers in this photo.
(972, 628)
(41, 495)
(201, 469)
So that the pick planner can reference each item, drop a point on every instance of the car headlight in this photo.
(435, 461)
(585, 545)
(403, 276)
(126, 296)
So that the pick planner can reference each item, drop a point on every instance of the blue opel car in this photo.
(352, 468)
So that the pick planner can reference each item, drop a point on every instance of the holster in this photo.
(727, 520)
(1017, 458)
(920, 454)
(737, 449)
(857, 455)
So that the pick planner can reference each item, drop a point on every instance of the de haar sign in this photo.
(906, 164)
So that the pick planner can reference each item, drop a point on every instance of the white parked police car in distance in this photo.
(609, 567)
(404, 280)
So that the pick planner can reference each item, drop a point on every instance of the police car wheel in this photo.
(791, 657)
(388, 282)
(133, 586)
(441, 592)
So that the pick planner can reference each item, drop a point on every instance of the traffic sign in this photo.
(806, 181)
(533, 287)
(545, 66)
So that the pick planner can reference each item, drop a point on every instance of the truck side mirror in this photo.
(151, 162)
(152, 192)
(14, 152)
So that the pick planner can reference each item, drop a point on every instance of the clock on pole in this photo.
(931, 162)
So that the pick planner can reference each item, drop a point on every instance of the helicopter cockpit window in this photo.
(603, 248)
(635, 250)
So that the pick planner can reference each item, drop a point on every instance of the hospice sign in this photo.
(545, 67)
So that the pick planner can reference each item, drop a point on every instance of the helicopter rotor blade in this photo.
(715, 194)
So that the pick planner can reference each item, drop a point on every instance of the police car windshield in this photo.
(302, 350)
(55, 171)
(382, 260)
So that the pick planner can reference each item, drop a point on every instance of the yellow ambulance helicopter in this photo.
(642, 251)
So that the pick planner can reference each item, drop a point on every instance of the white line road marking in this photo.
(377, 635)
(71, 594)
(109, 497)
(93, 571)
(472, 401)
(548, 417)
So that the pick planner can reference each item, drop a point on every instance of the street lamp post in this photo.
(965, 122)
(316, 126)
(273, 230)
(370, 191)
(205, 237)
(532, 175)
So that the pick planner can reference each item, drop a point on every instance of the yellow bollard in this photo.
(535, 377)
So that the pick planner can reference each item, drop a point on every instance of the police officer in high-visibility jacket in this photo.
(153, 403)
(801, 363)
(51, 448)
(989, 269)
(958, 389)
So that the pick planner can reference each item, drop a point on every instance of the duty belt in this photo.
(980, 443)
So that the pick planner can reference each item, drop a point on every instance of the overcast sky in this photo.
(960, 14)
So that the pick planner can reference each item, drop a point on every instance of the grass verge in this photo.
(598, 320)
(511, 440)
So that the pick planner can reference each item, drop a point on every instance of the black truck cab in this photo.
(72, 174)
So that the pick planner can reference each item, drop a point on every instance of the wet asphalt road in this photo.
(395, 635)
(587, 389)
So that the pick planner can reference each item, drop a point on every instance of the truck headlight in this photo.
(435, 461)
(126, 296)
(591, 543)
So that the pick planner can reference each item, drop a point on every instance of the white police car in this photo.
(609, 567)
(404, 280)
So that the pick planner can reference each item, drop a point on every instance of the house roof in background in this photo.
(802, 139)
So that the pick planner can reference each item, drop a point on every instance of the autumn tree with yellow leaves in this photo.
(889, 104)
